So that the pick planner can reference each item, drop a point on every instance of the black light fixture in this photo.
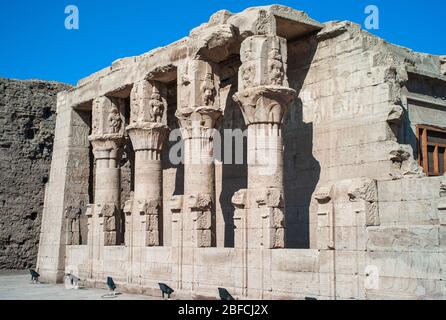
(74, 281)
(224, 294)
(112, 287)
(165, 289)
(34, 276)
(111, 284)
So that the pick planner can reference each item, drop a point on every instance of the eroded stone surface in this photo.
(27, 121)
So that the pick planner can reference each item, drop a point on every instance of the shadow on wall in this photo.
(172, 123)
(234, 176)
(301, 169)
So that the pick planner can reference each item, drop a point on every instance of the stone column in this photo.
(147, 131)
(263, 96)
(107, 140)
(199, 114)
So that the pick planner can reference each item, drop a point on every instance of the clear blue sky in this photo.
(36, 45)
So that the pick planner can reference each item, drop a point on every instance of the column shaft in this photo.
(265, 156)
(148, 175)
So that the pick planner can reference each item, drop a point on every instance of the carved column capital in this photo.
(264, 104)
(108, 116)
(264, 92)
(148, 102)
(108, 146)
(198, 122)
(198, 98)
(147, 135)
(108, 120)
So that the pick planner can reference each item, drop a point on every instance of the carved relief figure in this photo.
(208, 90)
(247, 75)
(275, 67)
(246, 55)
(247, 70)
(73, 215)
(114, 120)
(184, 92)
(156, 106)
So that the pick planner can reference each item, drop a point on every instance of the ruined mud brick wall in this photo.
(27, 119)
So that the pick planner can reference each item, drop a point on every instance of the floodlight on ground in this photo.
(112, 287)
(224, 294)
(72, 281)
(165, 289)
(34, 276)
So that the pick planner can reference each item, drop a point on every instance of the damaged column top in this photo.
(215, 41)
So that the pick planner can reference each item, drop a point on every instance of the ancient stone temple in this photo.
(338, 192)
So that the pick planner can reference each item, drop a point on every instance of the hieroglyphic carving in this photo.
(271, 202)
(366, 191)
(95, 121)
(201, 207)
(153, 212)
(73, 218)
(109, 215)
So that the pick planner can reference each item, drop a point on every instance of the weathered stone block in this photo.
(278, 218)
(413, 265)
(239, 199)
(204, 220)
(110, 238)
(325, 238)
(109, 224)
(152, 222)
(403, 239)
(350, 238)
(176, 203)
(152, 238)
(204, 238)
(200, 202)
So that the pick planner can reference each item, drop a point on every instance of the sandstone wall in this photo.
(353, 117)
(27, 119)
